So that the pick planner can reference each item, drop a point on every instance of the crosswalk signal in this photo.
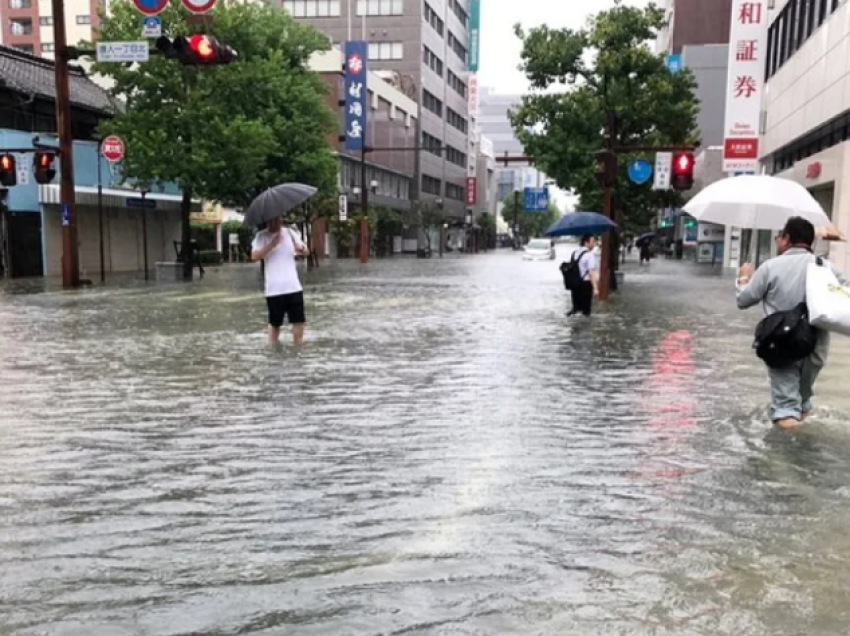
(8, 172)
(196, 50)
(683, 171)
(42, 165)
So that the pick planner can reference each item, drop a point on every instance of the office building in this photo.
(422, 47)
(806, 134)
(694, 22)
(27, 25)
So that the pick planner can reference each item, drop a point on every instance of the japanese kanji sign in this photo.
(745, 87)
(356, 94)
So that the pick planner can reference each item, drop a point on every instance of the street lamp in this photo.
(374, 186)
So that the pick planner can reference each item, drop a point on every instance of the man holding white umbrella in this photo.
(768, 203)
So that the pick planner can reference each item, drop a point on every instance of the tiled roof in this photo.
(25, 73)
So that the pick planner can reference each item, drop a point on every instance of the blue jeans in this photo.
(792, 388)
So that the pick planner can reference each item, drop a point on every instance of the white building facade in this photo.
(806, 132)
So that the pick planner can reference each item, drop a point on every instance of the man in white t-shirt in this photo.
(588, 268)
(278, 246)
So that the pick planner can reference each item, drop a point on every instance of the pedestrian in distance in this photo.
(780, 286)
(581, 276)
(278, 246)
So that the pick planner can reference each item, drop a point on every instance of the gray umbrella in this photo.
(276, 202)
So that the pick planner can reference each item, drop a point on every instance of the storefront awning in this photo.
(116, 198)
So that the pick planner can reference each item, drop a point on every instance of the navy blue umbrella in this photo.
(581, 223)
(646, 237)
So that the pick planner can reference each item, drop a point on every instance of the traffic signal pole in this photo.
(364, 209)
(70, 254)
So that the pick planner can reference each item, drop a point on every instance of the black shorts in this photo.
(286, 305)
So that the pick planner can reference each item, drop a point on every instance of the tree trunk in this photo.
(186, 211)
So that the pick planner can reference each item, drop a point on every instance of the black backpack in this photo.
(785, 337)
(572, 272)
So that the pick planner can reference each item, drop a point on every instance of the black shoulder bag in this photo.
(786, 337)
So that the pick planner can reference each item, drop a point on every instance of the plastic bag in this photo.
(827, 299)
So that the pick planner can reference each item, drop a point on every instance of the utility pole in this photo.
(507, 160)
(70, 254)
(364, 208)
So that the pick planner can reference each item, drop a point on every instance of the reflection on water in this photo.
(449, 454)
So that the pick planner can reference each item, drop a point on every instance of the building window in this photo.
(454, 5)
(430, 185)
(24, 48)
(46, 21)
(794, 25)
(457, 121)
(380, 7)
(20, 4)
(47, 48)
(83, 19)
(386, 50)
(456, 157)
(313, 8)
(454, 192)
(433, 19)
(432, 61)
(20, 26)
(457, 47)
(432, 103)
(431, 144)
(457, 84)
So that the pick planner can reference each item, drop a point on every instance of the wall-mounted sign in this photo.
(356, 93)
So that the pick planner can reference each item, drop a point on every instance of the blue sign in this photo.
(66, 215)
(356, 93)
(141, 204)
(152, 27)
(674, 63)
(640, 171)
(535, 199)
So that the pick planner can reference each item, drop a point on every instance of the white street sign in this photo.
(23, 163)
(343, 208)
(663, 165)
(122, 51)
(745, 85)
(151, 26)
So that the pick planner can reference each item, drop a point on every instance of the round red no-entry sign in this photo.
(112, 148)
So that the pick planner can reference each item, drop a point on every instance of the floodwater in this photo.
(448, 455)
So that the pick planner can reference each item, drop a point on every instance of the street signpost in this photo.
(343, 208)
(152, 26)
(150, 7)
(663, 169)
(113, 148)
(640, 171)
(198, 6)
(123, 51)
(535, 199)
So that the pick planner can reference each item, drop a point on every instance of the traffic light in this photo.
(42, 165)
(606, 168)
(8, 172)
(683, 171)
(196, 50)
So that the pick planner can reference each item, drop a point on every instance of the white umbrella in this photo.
(756, 202)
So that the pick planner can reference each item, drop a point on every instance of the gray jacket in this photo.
(780, 285)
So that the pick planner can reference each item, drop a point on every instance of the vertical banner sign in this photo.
(356, 94)
(745, 85)
(471, 191)
(473, 96)
(663, 166)
(474, 35)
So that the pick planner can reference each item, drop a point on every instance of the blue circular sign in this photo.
(150, 7)
(640, 171)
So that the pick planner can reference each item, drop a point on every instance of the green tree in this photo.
(223, 133)
(487, 223)
(610, 76)
(427, 216)
(531, 224)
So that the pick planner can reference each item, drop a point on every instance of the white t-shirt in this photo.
(586, 264)
(281, 269)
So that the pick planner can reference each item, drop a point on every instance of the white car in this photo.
(539, 250)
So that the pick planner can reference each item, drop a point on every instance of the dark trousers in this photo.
(582, 298)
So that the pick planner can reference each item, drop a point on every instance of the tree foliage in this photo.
(608, 74)
(531, 224)
(223, 133)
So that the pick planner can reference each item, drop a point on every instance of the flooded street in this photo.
(448, 455)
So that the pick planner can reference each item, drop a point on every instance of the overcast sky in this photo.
(500, 49)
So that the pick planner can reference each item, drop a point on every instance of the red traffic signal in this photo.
(196, 50)
(42, 165)
(8, 172)
(683, 171)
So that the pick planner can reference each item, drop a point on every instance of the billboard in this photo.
(474, 35)
(745, 85)
(356, 93)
